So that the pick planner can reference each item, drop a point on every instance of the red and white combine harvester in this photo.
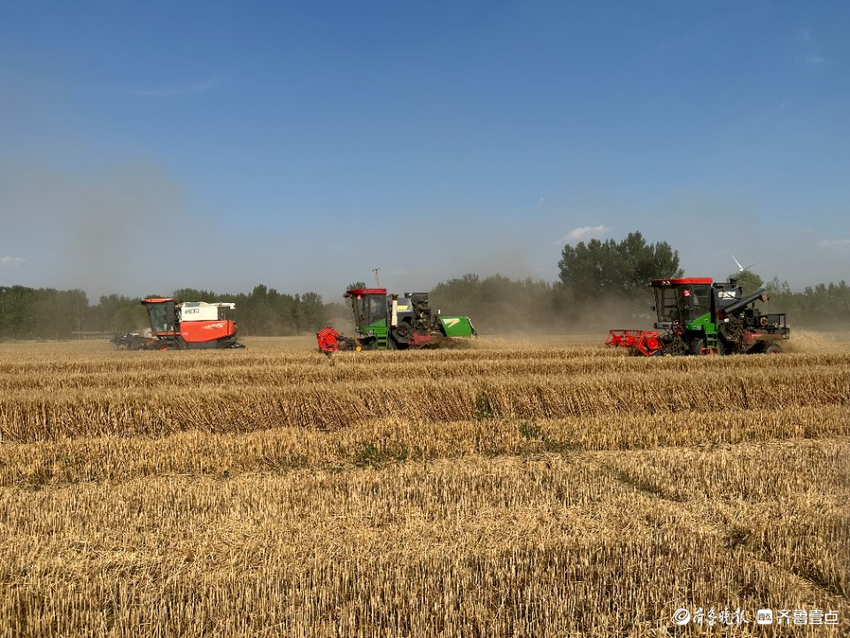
(180, 326)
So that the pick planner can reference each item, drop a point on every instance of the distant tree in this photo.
(776, 287)
(118, 313)
(618, 269)
(312, 314)
(457, 293)
(355, 286)
(499, 304)
(16, 312)
(749, 281)
(260, 293)
(73, 304)
(192, 294)
(28, 313)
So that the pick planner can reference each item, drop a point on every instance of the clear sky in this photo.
(148, 146)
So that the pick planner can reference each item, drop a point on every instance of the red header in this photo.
(663, 283)
(365, 291)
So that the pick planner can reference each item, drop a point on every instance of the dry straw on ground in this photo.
(501, 490)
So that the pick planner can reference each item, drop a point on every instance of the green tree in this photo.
(312, 314)
(749, 281)
(357, 285)
(455, 294)
(193, 294)
(16, 312)
(776, 287)
(618, 269)
(115, 313)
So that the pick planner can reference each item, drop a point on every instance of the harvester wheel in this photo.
(698, 346)
(772, 348)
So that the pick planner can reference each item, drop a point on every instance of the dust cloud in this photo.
(803, 341)
(115, 232)
(547, 313)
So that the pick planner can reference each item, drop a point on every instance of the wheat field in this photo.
(508, 487)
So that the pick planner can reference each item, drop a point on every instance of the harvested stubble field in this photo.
(501, 489)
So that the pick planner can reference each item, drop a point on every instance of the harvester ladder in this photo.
(711, 341)
(381, 341)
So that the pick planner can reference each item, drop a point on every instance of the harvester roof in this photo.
(663, 283)
(365, 291)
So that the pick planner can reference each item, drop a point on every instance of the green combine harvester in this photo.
(390, 322)
(700, 316)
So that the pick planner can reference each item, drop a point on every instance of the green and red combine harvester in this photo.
(699, 316)
(182, 326)
(390, 322)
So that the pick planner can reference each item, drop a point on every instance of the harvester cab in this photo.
(391, 322)
(370, 313)
(180, 326)
(162, 314)
(700, 316)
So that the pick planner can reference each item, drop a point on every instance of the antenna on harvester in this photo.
(377, 277)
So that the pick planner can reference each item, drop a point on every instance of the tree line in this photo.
(47, 313)
(601, 284)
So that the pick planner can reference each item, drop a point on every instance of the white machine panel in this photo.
(203, 311)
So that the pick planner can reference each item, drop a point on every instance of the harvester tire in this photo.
(698, 346)
(772, 348)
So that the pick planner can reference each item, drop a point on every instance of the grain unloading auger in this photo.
(699, 316)
(390, 322)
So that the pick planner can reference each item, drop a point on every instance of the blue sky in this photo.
(151, 146)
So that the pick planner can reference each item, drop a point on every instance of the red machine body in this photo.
(179, 326)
